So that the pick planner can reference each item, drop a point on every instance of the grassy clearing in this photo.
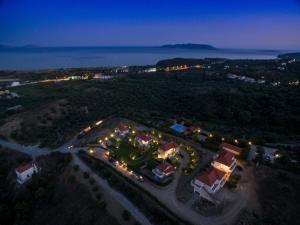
(132, 154)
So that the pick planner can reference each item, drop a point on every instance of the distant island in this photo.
(295, 55)
(190, 46)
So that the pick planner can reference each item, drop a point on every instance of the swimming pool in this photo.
(178, 127)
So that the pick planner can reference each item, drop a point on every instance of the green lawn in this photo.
(133, 155)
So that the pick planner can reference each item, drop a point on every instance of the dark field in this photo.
(49, 198)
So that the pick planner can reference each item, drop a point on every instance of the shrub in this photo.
(102, 205)
(239, 168)
(126, 215)
(95, 189)
(92, 181)
(98, 196)
(76, 167)
(71, 179)
(86, 175)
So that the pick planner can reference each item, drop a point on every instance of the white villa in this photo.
(224, 161)
(214, 178)
(25, 172)
(210, 180)
(168, 150)
(143, 140)
(163, 170)
(122, 129)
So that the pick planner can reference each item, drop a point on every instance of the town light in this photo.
(236, 141)
(133, 131)
(106, 138)
(223, 139)
(91, 151)
(199, 130)
(249, 143)
(100, 141)
(112, 135)
(210, 135)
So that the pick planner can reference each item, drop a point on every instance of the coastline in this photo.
(85, 57)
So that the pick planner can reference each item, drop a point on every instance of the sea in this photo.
(36, 58)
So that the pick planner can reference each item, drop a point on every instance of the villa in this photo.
(230, 148)
(220, 170)
(210, 181)
(163, 170)
(224, 161)
(122, 129)
(168, 150)
(143, 140)
(25, 172)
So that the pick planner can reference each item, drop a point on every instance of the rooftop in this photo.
(144, 137)
(210, 176)
(165, 168)
(122, 127)
(168, 145)
(24, 167)
(224, 157)
(231, 147)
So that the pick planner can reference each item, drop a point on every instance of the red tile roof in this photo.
(122, 127)
(225, 157)
(24, 167)
(165, 168)
(168, 145)
(144, 137)
(234, 148)
(210, 176)
(193, 129)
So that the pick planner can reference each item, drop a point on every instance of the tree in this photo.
(76, 167)
(86, 175)
(72, 179)
(126, 215)
(40, 193)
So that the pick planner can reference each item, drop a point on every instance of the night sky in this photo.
(273, 24)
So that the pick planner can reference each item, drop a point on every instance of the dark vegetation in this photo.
(295, 55)
(279, 196)
(205, 97)
(51, 197)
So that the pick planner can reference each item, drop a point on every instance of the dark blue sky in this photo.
(223, 23)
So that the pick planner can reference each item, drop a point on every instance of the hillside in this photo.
(51, 198)
(295, 55)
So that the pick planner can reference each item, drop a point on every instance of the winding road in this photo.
(35, 151)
